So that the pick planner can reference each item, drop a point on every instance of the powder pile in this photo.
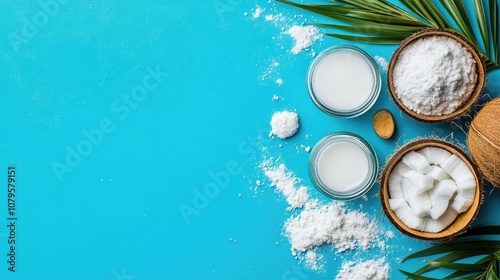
(317, 224)
(368, 270)
(284, 124)
(434, 75)
(330, 224)
(285, 183)
(304, 37)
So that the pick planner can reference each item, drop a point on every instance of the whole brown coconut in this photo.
(484, 141)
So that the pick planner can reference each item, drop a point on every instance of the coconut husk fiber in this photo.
(484, 141)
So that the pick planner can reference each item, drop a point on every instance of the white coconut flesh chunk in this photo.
(437, 225)
(400, 169)
(440, 197)
(406, 216)
(420, 202)
(435, 155)
(437, 173)
(430, 188)
(456, 168)
(432, 225)
(397, 203)
(421, 181)
(448, 217)
(395, 185)
(416, 161)
(461, 203)
(443, 189)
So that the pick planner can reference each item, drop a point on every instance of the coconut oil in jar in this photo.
(343, 166)
(344, 81)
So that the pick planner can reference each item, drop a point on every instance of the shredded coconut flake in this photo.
(304, 37)
(279, 82)
(367, 270)
(434, 75)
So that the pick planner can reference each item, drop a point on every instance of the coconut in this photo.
(429, 147)
(484, 141)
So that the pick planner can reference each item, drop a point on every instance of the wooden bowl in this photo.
(467, 104)
(463, 220)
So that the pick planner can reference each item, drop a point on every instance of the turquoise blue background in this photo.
(115, 213)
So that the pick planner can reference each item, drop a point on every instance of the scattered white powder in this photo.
(258, 12)
(389, 234)
(304, 37)
(284, 124)
(368, 270)
(330, 224)
(279, 82)
(434, 75)
(313, 260)
(269, 18)
(271, 72)
(317, 224)
(384, 65)
(285, 183)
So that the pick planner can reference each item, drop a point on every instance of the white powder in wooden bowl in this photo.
(434, 75)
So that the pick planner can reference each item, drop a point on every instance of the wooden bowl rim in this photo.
(462, 222)
(468, 103)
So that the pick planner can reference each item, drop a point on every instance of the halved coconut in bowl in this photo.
(430, 189)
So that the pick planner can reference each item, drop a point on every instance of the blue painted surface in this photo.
(159, 99)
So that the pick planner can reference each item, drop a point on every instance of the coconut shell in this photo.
(484, 141)
(383, 124)
(462, 222)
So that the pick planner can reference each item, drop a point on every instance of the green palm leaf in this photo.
(494, 26)
(483, 26)
(456, 9)
(380, 22)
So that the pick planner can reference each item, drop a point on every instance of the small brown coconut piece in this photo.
(383, 124)
(484, 141)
